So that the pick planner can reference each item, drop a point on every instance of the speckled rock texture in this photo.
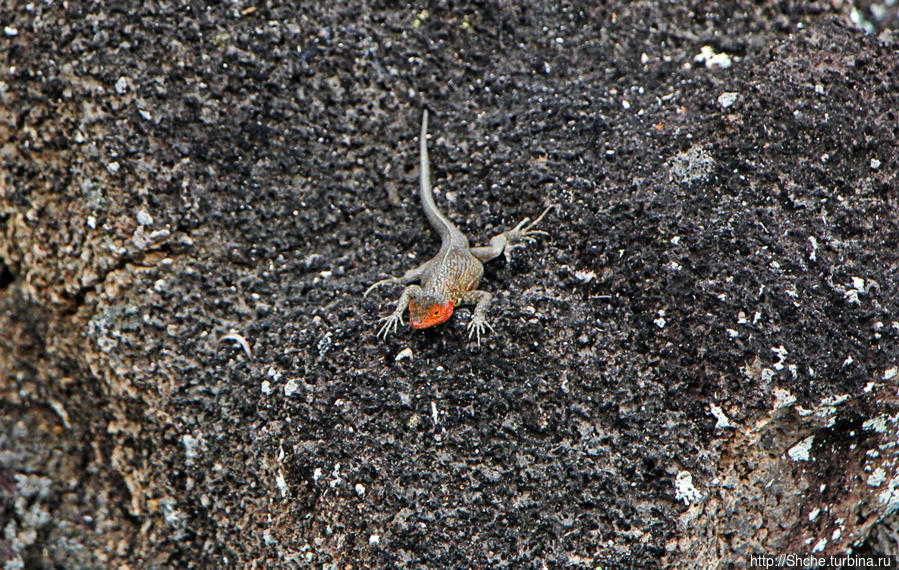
(699, 364)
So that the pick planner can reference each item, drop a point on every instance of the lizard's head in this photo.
(429, 311)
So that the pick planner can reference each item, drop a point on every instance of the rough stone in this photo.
(265, 171)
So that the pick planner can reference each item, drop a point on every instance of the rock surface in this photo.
(699, 364)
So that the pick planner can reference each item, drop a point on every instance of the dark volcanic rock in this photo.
(698, 365)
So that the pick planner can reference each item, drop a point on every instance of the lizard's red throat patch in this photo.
(424, 316)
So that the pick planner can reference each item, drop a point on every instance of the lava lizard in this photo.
(449, 278)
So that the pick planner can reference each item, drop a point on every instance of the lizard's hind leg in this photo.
(511, 239)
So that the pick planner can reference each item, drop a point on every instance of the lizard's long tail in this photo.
(439, 222)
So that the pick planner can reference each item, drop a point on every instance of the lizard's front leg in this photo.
(409, 276)
(510, 239)
(392, 322)
(481, 301)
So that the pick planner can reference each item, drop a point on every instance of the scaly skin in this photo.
(451, 277)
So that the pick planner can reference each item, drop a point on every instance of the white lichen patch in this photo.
(856, 288)
(722, 420)
(584, 275)
(324, 344)
(712, 59)
(191, 445)
(814, 514)
(890, 495)
(173, 516)
(800, 451)
(144, 219)
(833, 401)
(404, 354)
(684, 489)
(281, 483)
(291, 387)
(435, 413)
(781, 353)
(661, 322)
(890, 373)
(813, 255)
(123, 84)
(727, 99)
(827, 409)
(877, 478)
(692, 165)
(336, 477)
(783, 398)
(268, 538)
(877, 424)
(61, 412)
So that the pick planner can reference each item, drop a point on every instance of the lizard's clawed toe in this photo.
(390, 325)
(477, 327)
(378, 284)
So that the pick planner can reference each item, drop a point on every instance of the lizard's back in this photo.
(456, 272)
